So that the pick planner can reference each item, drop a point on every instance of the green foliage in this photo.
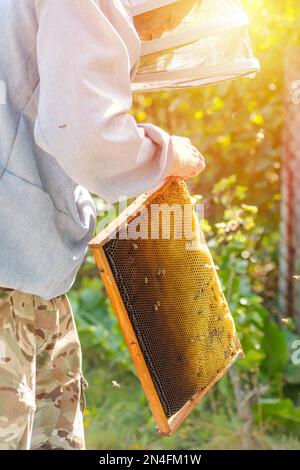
(292, 370)
(236, 243)
(280, 414)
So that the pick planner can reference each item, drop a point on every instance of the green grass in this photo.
(119, 418)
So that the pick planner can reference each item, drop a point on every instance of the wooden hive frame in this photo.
(166, 426)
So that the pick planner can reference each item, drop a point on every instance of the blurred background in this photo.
(243, 129)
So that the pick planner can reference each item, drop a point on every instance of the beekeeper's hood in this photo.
(190, 43)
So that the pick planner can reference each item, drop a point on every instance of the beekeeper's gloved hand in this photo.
(187, 161)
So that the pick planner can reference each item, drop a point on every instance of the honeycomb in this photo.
(175, 304)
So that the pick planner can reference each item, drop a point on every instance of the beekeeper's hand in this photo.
(188, 161)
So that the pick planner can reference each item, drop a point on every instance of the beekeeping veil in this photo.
(189, 43)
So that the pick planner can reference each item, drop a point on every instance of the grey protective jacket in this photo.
(66, 68)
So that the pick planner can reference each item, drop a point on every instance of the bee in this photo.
(227, 353)
(161, 272)
(285, 321)
(146, 280)
(208, 266)
(115, 384)
(135, 246)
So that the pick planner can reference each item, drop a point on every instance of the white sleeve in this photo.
(83, 115)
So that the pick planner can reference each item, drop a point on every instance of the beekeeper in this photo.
(68, 68)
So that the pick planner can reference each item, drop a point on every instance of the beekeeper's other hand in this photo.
(188, 161)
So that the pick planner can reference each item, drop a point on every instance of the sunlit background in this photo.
(238, 126)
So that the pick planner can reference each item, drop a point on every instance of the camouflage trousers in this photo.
(41, 383)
